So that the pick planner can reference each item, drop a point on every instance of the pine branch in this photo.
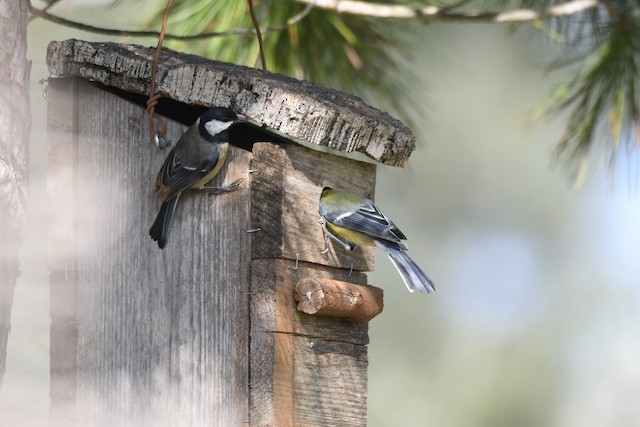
(42, 13)
(375, 10)
(430, 14)
(602, 95)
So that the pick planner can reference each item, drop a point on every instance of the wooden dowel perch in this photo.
(335, 298)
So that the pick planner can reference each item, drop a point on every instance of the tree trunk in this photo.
(15, 122)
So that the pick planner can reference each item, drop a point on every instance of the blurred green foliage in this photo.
(354, 54)
(602, 47)
(361, 55)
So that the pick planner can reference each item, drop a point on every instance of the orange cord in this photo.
(158, 136)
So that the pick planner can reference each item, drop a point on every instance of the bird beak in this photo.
(241, 118)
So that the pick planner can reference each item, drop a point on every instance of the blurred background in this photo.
(536, 317)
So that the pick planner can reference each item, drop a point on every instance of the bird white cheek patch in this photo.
(214, 126)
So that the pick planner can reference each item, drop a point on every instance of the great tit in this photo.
(353, 220)
(195, 159)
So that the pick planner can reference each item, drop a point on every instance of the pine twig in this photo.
(434, 13)
(258, 34)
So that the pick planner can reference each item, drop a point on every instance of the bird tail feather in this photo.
(159, 231)
(412, 275)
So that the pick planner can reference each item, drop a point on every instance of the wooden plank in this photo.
(305, 370)
(161, 335)
(286, 191)
(330, 382)
(303, 110)
(62, 350)
(61, 178)
(61, 173)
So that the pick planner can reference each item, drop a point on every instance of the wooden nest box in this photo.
(205, 332)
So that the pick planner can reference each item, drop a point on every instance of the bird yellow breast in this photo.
(224, 148)
(352, 236)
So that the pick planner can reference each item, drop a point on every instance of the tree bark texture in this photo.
(302, 110)
(15, 121)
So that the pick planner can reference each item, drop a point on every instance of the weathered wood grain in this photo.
(63, 340)
(286, 192)
(62, 174)
(305, 370)
(161, 335)
(205, 332)
(61, 254)
(301, 109)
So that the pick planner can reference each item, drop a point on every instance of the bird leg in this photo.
(328, 234)
(235, 185)
(324, 233)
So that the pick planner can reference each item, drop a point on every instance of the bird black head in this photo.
(216, 121)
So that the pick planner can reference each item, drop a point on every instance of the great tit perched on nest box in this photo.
(195, 160)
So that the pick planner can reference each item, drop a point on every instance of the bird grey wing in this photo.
(179, 175)
(163, 173)
(370, 220)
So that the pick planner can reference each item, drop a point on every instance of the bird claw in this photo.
(235, 185)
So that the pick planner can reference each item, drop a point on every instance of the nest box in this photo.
(208, 330)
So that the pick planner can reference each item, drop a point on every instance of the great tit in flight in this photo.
(195, 159)
(353, 220)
